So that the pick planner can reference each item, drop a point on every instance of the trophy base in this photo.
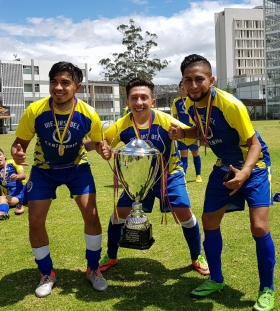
(136, 239)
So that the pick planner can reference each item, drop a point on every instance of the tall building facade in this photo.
(272, 49)
(239, 35)
(240, 56)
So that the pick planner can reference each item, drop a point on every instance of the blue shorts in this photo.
(176, 194)
(256, 190)
(182, 146)
(43, 182)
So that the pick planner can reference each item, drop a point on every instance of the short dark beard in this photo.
(203, 95)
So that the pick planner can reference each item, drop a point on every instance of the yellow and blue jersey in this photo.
(178, 108)
(38, 119)
(230, 128)
(124, 131)
(12, 188)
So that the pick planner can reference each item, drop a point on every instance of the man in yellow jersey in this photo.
(148, 124)
(242, 172)
(60, 122)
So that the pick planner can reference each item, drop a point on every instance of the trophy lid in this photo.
(138, 147)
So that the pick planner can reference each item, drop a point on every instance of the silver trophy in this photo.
(136, 166)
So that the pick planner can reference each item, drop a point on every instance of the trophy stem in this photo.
(137, 231)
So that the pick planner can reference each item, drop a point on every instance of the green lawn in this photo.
(156, 279)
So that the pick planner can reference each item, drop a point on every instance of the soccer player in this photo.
(242, 172)
(60, 122)
(178, 112)
(12, 186)
(146, 123)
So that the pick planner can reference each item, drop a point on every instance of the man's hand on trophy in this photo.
(105, 150)
(175, 132)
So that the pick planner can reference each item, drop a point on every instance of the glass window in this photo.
(26, 69)
(36, 70)
(103, 89)
(27, 87)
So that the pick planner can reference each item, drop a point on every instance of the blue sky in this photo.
(18, 10)
(85, 31)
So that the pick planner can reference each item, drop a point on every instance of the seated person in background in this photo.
(12, 184)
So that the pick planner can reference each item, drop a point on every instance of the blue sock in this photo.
(4, 207)
(197, 164)
(92, 258)
(192, 236)
(185, 163)
(114, 234)
(213, 245)
(45, 265)
(266, 260)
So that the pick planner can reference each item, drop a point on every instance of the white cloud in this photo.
(187, 32)
(139, 2)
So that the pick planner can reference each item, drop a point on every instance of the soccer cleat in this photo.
(265, 300)
(97, 280)
(4, 216)
(19, 210)
(46, 284)
(207, 288)
(201, 265)
(106, 263)
(198, 178)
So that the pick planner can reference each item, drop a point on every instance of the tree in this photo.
(135, 61)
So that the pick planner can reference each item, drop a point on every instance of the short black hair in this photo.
(195, 60)
(75, 72)
(180, 84)
(139, 82)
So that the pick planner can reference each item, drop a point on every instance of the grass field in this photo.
(158, 279)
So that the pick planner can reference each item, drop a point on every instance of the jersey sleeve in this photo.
(26, 126)
(16, 166)
(187, 141)
(166, 125)
(95, 133)
(112, 134)
(237, 116)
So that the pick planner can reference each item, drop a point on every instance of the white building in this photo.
(240, 56)
(25, 81)
(239, 35)
(272, 42)
(105, 97)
